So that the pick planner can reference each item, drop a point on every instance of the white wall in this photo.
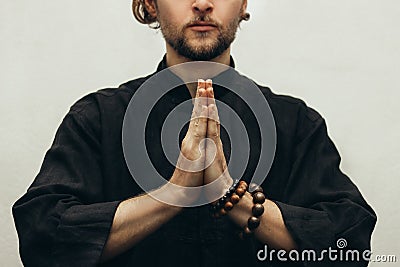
(341, 57)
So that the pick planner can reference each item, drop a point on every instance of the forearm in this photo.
(272, 229)
(135, 219)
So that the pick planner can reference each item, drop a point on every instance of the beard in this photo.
(203, 47)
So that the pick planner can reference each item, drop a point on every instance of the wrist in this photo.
(218, 188)
(232, 196)
(177, 195)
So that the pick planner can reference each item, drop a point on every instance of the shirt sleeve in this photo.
(321, 204)
(62, 220)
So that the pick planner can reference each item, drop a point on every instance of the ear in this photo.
(245, 16)
(150, 6)
(244, 6)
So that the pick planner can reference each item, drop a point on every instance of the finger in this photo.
(213, 124)
(198, 121)
(210, 92)
(199, 128)
(211, 102)
(213, 110)
(202, 85)
(197, 100)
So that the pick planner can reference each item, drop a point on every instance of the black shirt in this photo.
(65, 217)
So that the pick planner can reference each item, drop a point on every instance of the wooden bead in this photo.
(228, 205)
(259, 189)
(253, 222)
(223, 212)
(242, 183)
(243, 187)
(247, 231)
(235, 198)
(254, 188)
(240, 192)
(258, 198)
(214, 203)
(257, 210)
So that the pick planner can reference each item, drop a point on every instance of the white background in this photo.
(341, 57)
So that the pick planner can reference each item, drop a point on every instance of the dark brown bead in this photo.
(242, 186)
(253, 223)
(217, 206)
(235, 198)
(247, 231)
(222, 212)
(257, 210)
(258, 198)
(254, 188)
(228, 205)
(257, 190)
(240, 192)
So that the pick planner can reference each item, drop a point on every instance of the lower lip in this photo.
(201, 28)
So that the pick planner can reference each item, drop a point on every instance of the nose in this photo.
(202, 6)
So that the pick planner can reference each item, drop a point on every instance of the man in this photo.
(84, 208)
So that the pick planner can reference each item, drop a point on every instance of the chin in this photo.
(202, 45)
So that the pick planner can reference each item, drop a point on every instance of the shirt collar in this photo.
(163, 64)
(228, 75)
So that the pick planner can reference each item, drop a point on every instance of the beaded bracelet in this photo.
(232, 197)
(257, 210)
(221, 202)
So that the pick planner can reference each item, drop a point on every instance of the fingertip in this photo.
(201, 83)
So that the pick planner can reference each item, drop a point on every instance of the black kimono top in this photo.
(65, 217)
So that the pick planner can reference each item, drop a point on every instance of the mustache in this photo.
(203, 19)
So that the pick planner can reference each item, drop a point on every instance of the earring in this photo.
(245, 16)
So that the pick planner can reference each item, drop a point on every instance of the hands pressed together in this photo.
(202, 158)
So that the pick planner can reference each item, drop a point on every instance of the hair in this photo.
(142, 15)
